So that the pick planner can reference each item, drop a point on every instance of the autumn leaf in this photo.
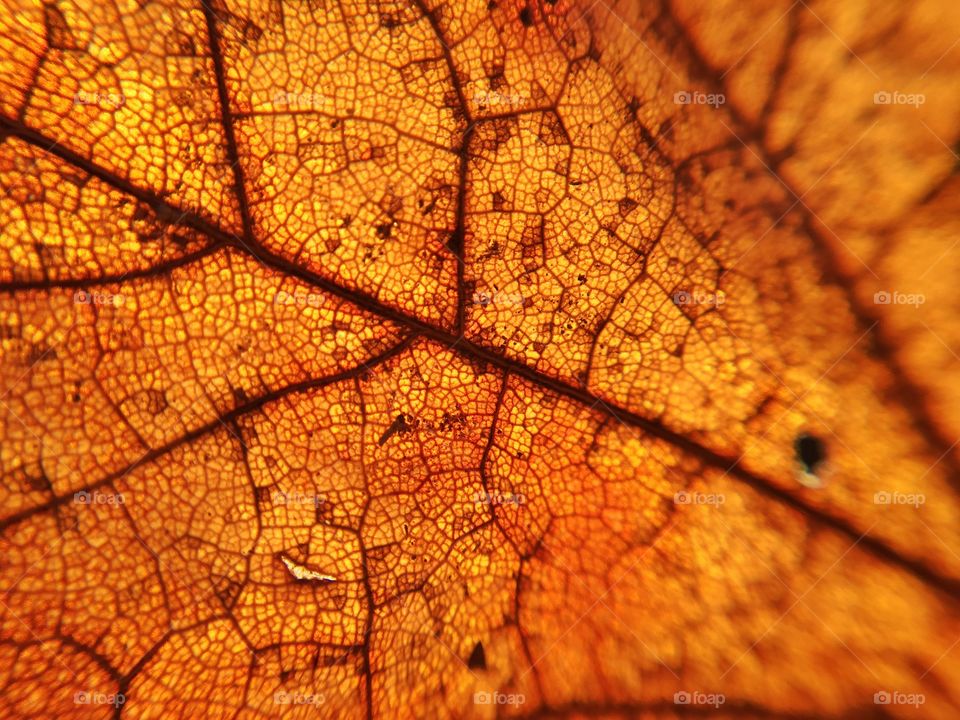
(479, 359)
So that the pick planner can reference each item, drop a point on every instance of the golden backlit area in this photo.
(479, 359)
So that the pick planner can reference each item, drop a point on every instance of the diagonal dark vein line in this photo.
(157, 202)
(460, 345)
(907, 393)
(233, 154)
(237, 412)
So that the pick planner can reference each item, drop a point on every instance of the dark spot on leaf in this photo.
(626, 205)
(399, 425)
(810, 451)
(478, 659)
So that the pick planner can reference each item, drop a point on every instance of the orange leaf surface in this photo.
(507, 358)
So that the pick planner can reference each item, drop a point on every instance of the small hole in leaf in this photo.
(478, 658)
(811, 454)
